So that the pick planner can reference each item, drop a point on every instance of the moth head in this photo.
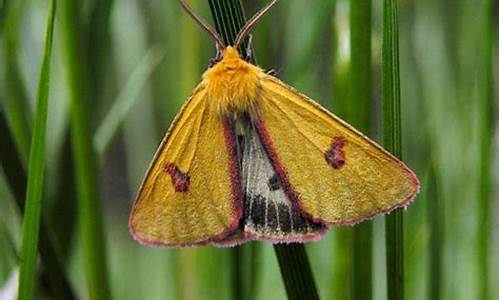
(232, 85)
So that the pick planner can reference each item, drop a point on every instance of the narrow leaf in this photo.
(34, 191)
(392, 141)
(359, 115)
(86, 171)
(126, 99)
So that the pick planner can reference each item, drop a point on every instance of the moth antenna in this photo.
(203, 24)
(251, 23)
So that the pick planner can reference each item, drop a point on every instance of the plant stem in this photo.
(392, 142)
(485, 134)
(34, 190)
(93, 240)
(53, 275)
(296, 271)
(359, 116)
(228, 17)
(435, 213)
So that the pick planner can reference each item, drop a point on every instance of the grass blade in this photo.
(391, 112)
(53, 274)
(34, 190)
(15, 120)
(359, 116)
(296, 271)
(126, 100)
(15, 104)
(99, 45)
(93, 240)
(435, 215)
(485, 160)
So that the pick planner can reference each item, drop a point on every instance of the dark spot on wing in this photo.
(180, 180)
(274, 183)
(335, 155)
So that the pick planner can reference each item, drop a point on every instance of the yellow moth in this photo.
(250, 158)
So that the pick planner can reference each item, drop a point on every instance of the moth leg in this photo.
(272, 72)
(218, 56)
(248, 50)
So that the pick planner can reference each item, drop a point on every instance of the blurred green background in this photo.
(146, 57)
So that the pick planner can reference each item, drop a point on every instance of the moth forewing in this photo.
(337, 175)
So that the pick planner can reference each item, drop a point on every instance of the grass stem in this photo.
(391, 111)
(485, 151)
(34, 190)
(359, 111)
(93, 241)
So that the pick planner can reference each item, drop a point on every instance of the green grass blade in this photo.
(99, 45)
(53, 274)
(391, 111)
(15, 103)
(485, 160)
(435, 215)
(15, 125)
(3, 9)
(296, 271)
(63, 225)
(359, 114)
(90, 214)
(229, 17)
(359, 108)
(126, 99)
(34, 192)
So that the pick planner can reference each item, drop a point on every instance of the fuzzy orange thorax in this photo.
(233, 85)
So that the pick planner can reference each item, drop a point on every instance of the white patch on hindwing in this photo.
(268, 213)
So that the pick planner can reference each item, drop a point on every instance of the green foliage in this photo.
(126, 99)
(16, 106)
(90, 215)
(32, 211)
(360, 113)
(113, 94)
(391, 106)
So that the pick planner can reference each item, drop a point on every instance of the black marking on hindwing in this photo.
(284, 215)
(274, 183)
(267, 217)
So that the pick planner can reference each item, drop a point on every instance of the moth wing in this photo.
(330, 171)
(189, 195)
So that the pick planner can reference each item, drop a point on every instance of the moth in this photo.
(250, 158)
